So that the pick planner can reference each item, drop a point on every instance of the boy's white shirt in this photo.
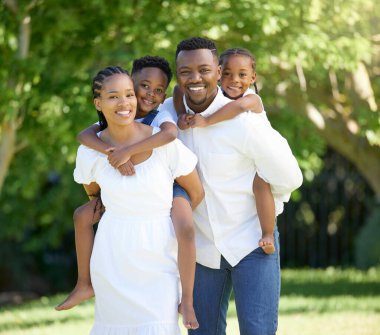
(163, 116)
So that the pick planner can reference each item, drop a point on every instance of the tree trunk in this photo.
(9, 127)
(339, 134)
(8, 132)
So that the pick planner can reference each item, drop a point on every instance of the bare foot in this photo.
(79, 294)
(267, 244)
(188, 316)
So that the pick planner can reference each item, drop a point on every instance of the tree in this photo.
(318, 67)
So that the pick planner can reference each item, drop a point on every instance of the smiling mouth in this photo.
(234, 88)
(123, 113)
(148, 102)
(196, 89)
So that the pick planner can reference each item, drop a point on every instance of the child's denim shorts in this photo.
(178, 191)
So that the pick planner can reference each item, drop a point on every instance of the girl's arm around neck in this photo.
(183, 119)
(250, 102)
(178, 101)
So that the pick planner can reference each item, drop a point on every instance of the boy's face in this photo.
(150, 86)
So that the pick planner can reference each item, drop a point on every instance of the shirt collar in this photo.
(219, 101)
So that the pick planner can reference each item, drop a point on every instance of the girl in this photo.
(238, 73)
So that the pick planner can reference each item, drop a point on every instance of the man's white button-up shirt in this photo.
(230, 153)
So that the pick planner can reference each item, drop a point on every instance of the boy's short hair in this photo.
(196, 43)
(152, 61)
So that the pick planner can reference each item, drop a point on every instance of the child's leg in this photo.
(266, 213)
(84, 219)
(184, 229)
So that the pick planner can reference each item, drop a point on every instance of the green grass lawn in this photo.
(332, 301)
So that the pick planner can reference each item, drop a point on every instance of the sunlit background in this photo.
(318, 70)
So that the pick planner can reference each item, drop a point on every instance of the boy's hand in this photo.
(118, 157)
(109, 150)
(184, 121)
(198, 121)
(127, 169)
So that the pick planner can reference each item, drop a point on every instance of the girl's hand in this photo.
(198, 121)
(184, 121)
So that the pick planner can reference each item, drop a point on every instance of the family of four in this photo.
(229, 172)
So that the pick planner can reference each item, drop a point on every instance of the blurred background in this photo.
(318, 70)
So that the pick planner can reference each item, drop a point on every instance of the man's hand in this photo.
(198, 121)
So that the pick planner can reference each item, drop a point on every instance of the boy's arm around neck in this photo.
(167, 134)
(89, 138)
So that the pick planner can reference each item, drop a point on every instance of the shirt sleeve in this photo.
(164, 116)
(85, 165)
(181, 160)
(273, 158)
(250, 91)
(167, 110)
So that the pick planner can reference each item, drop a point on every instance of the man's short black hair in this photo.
(152, 61)
(196, 43)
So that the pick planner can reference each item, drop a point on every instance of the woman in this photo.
(133, 265)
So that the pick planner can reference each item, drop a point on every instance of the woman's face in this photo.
(237, 75)
(117, 100)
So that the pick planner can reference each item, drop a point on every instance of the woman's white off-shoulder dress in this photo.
(134, 260)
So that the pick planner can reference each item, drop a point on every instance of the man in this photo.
(230, 154)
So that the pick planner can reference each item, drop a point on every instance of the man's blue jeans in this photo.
(255, 281)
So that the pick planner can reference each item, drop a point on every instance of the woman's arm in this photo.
(193, 186)
(167, 134)
(89, 138)
(251, 102)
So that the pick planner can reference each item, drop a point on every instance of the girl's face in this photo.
(237, 75)
(117, 100)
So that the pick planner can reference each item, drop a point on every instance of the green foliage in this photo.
(367, 249)
(48, 92)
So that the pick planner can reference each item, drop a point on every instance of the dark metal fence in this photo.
(320, 229)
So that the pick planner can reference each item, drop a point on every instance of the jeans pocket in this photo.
(260, 253)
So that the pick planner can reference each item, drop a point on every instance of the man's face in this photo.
(197, 75)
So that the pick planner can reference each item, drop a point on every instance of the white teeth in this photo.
(196, 88)
(148, 102)
(123, 113)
